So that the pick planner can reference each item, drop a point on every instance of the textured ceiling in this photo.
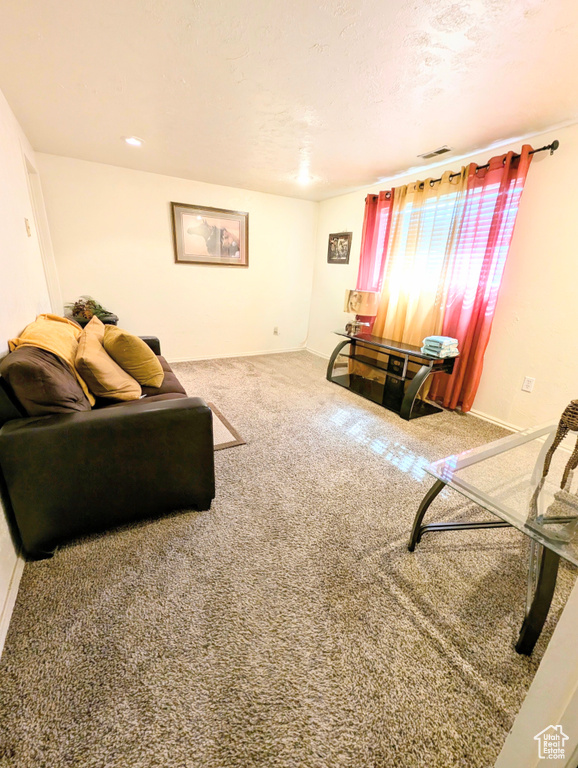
(253, 94)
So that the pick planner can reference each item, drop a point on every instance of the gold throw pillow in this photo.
(134, 356)
(104, 377)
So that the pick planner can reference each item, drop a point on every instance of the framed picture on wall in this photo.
(204, 235)
(338, 248)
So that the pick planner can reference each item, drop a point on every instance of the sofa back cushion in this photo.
(104, 377)
(42, 382)
(170, 385)
(134, 356)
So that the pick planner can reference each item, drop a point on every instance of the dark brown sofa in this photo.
(83, 471)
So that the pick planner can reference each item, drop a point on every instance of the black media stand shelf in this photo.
(388, 382)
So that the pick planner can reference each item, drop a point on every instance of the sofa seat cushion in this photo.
(170, 385)
(104, 377)
(42, 382)
(149, 399)
(134, 356)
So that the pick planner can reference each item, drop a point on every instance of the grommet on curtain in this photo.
(431, 182)
(388, 195)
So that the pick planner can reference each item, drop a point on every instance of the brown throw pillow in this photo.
(55, 334)
(103, 376)
(134, 356)
(42, 382)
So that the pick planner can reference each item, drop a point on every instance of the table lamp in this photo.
(360, 303)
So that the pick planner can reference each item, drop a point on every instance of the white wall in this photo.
(536, 322)
(111, 229)
(23, 294)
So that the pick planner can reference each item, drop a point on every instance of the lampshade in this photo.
(361, 302)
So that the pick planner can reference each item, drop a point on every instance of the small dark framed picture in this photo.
(204, 235)
(338, 248)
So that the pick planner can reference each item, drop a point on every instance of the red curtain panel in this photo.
(374, 240)
(486, 229)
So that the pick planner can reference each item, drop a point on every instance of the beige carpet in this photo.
(224, 435)
(288, 627)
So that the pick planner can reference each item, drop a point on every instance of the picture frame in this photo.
(203, 235)
(339, 248)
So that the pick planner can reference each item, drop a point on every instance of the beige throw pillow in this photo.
(103, 376)
(95, 327)
(134, 356)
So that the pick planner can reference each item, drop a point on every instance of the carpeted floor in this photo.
(289, 626)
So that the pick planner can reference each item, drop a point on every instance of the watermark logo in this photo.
(551, 743)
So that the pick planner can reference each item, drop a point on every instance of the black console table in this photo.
(394, 386)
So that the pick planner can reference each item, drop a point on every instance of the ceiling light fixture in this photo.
(134, 141)
(304, 177)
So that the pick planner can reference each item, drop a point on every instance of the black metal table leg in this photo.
(540, 605)
(411, 392)
(423, 507)
(334, 355)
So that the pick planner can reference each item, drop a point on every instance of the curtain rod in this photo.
(552, 147)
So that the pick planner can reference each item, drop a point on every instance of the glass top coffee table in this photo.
(505, 478)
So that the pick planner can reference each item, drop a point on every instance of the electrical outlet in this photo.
(276, 331)
(528, 384)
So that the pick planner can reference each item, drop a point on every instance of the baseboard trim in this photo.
(237, 354)
(319, 354)
(477, 414)
(10, 600)
(497, 422)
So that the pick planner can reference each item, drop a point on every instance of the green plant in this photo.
(86, 307)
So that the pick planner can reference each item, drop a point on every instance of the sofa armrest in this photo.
(72, 474)
(153, 342)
